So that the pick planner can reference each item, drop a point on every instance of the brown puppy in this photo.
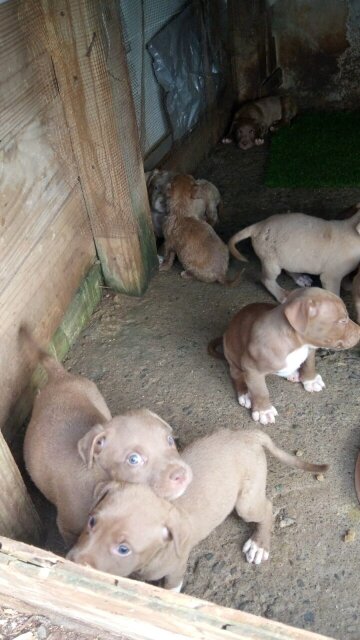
(254, 119)
(206, 206)
(199, 249)
(281, 339)
(297, 242)
(133, 532)
(72, 443)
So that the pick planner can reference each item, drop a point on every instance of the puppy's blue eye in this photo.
(171, 441)
(92, 522)
(123, 550)
(134, 459)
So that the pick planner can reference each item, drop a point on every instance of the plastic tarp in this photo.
(188, 66)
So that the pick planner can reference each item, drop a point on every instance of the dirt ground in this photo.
(151, 352)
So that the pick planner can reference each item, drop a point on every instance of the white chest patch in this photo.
(293, 361)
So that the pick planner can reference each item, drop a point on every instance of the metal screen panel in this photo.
(141, 19)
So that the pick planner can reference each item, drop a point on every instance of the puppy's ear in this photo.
(299, 312)
(91, 444)
(176, 530)
(102, 489)
(155, 415)
(197, 191)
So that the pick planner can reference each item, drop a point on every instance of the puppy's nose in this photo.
(178, 476)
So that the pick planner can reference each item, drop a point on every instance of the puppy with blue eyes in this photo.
(72, 443)
(132, 532)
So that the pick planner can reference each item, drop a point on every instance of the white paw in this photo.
(303, 280)
(245, 400)
(253, 553)
(265, 417)
(226, 140)
(160, 259)
(294, 377)
(177, 589)
(259, 141)
(317, 384)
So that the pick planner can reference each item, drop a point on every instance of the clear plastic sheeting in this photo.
(187, 62)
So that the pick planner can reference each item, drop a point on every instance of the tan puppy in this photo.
(72, 443)
(206, 206)
(254, 119)
(133, 532)
(297, 242)
(199, 249)
(281, 339)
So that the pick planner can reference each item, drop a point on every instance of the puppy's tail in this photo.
(288, 458)
(212, 348)
(35, 352)
(240, 235)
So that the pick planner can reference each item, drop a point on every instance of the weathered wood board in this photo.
(88, 600)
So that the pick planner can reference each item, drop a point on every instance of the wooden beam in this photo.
(85, 45)
(18, 518)
(76, 317)
(88, 600)
(186, 155)
(243, 38)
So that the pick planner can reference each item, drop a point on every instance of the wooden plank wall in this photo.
(45, 238)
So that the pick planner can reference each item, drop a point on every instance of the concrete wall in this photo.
(318, 49)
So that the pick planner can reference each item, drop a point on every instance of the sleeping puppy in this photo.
(206, 206)
(254, 119)
(202, 253)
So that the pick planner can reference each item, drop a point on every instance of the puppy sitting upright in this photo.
(265, 338)
(199, 249)
(254, 119)
(72, 443)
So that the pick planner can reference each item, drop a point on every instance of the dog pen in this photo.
(75, 222)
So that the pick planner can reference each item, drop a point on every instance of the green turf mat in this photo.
(317, 150)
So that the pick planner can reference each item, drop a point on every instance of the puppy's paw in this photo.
(253, 553)
(317, 384)
(160, 259)
(245, 400)
(176, 589)
(187, 275)
(294, 377)
(259, 141)
(226, 140)
(265, 417)
(303, 280)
